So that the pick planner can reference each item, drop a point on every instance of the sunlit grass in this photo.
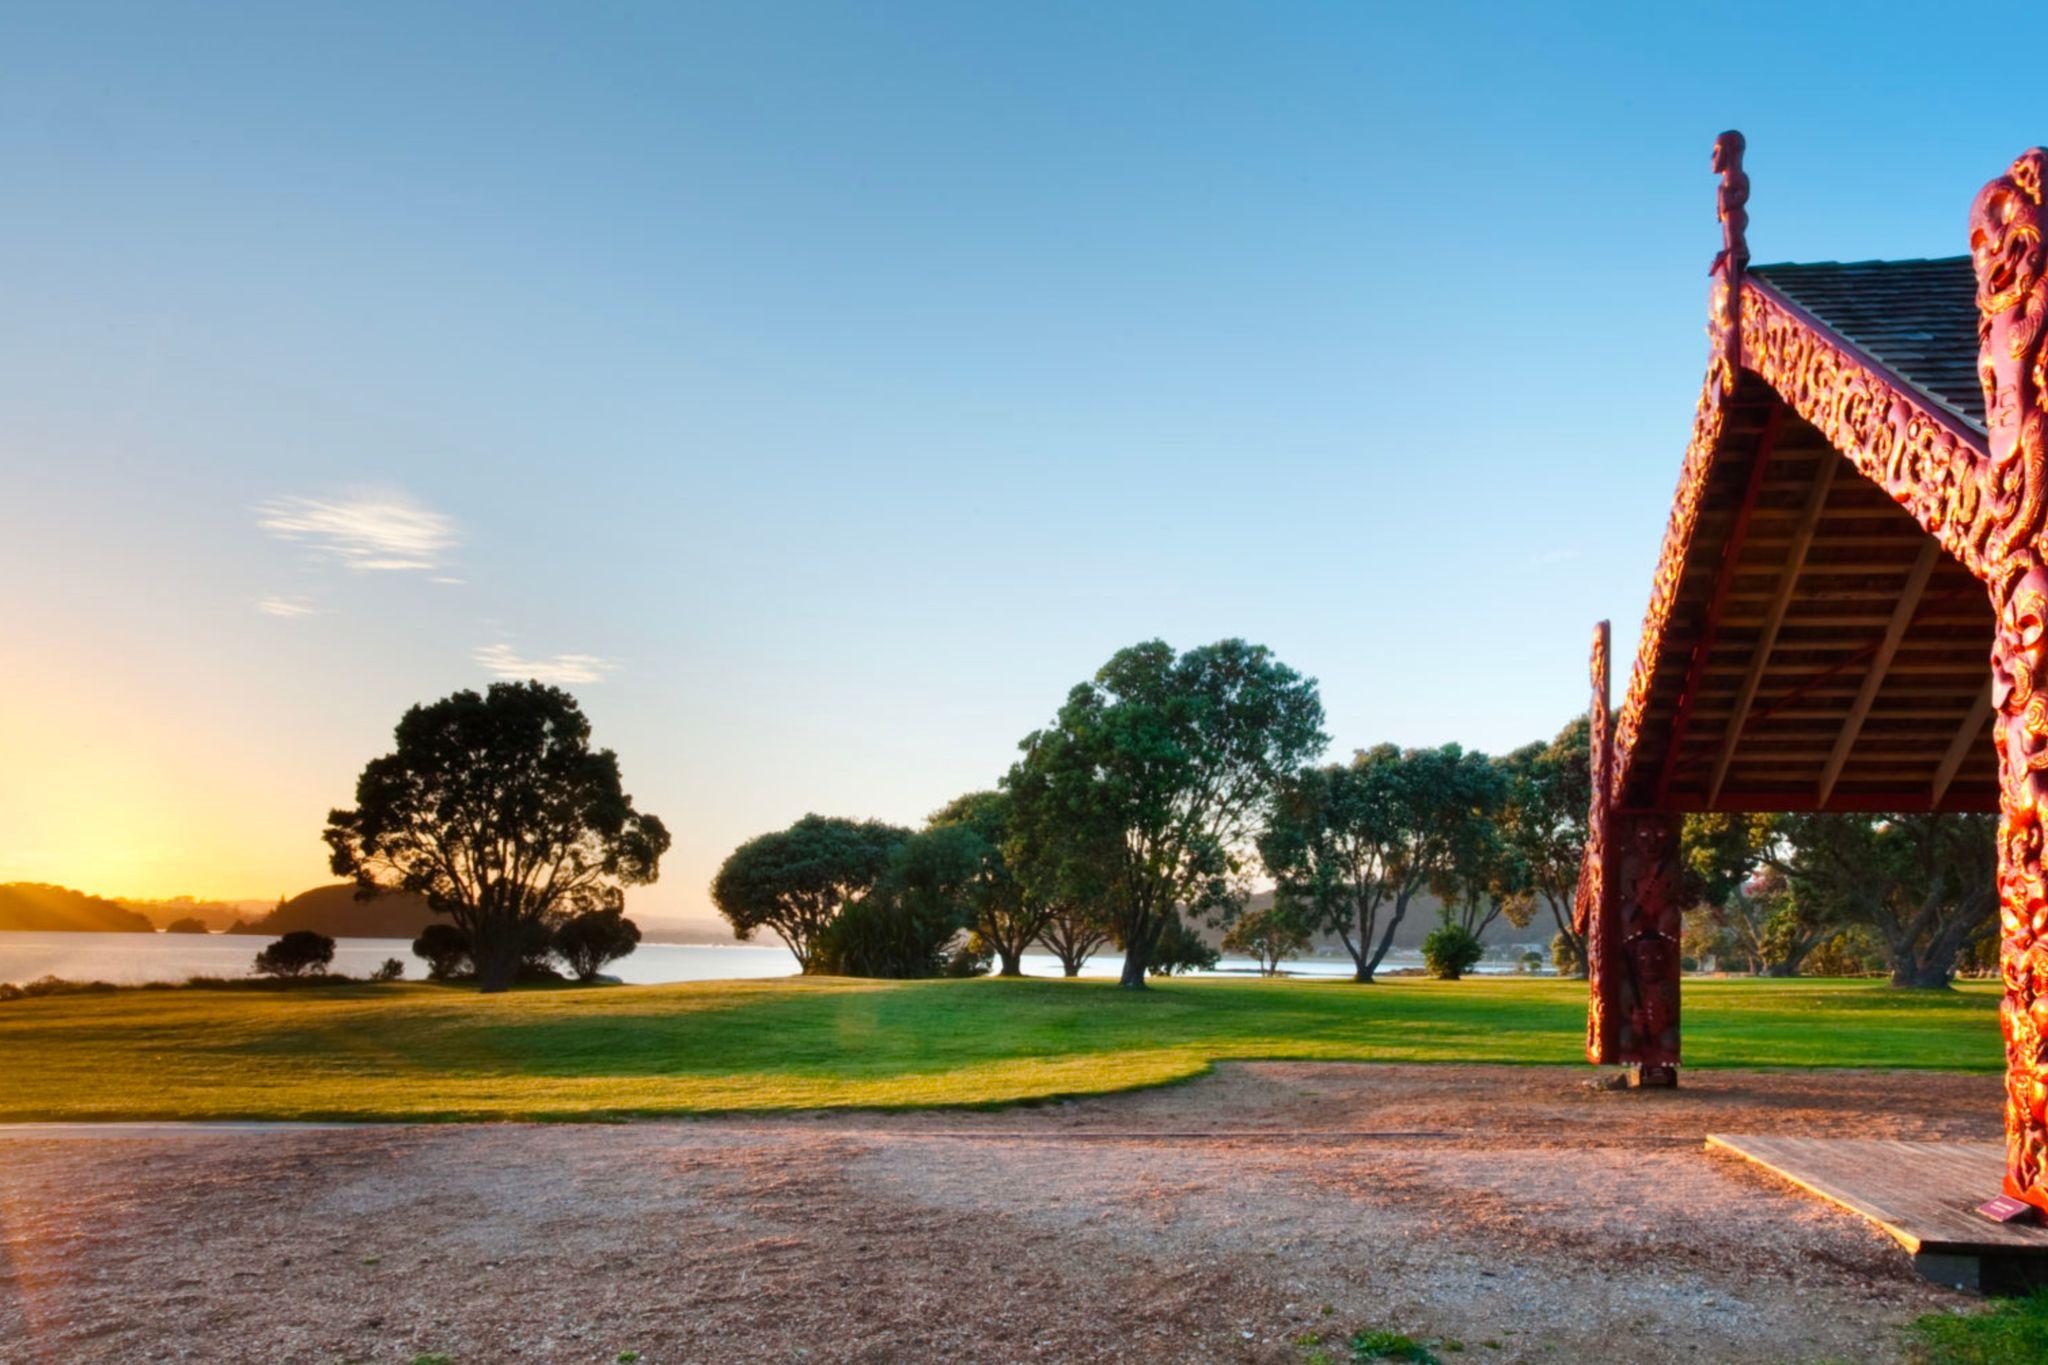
(431, 1052)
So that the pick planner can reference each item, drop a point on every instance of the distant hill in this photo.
(34, 907)
(215, 915)
(335, 911)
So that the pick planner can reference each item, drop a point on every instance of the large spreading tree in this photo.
(495, 808)
(1167, 762)
(1352, 845)
(796, 882)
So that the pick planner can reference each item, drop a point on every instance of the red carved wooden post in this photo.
(2007, 230)
(1628, 908)
(1591, 919)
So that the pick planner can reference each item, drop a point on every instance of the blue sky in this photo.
(822, 390)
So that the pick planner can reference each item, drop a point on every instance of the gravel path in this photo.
(1509, 1208)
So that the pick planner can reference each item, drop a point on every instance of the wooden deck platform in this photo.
(1923, 1194)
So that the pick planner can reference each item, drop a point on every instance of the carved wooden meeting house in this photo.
(1850, 612)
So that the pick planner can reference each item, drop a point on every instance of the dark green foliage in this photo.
(2011, 1333)
(797, 881)
(392, 970)
(1922, 886)
(1003, 913)
(905, 926)
(498, 811)
(593, 940)
(1351, 845)
(1150, 780)
(1180, 949)
(1450, 951)
(445, 949)
(299, 953)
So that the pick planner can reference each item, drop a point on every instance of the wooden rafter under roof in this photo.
(1812, 646)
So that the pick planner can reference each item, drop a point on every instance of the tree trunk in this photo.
(1133, 976)
(1070, 967)
(496, 955)
(1361, 965)
(1011, 960)
(1925, 975)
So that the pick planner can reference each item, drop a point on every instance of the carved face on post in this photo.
(1728, 150)
(2007, 251)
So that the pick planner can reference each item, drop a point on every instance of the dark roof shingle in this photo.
(1917, 318)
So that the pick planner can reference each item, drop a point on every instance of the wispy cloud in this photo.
(367, 531)
(287, 607)
(504, 662)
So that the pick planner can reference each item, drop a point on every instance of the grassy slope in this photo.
(427, 1052)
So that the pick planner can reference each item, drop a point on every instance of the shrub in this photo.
(1450, 951)
(973, 957)
(1180, 949)
(591, 941)
(390, 971)
(445, 950)
(296, 954)
(1564, 955)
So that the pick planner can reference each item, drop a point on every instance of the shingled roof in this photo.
(1916, 318)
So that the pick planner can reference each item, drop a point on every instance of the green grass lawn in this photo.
(433, 1052)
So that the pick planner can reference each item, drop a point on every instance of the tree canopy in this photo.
(796, 882)
(496, 809)
(1351, 845)
(1166, 763)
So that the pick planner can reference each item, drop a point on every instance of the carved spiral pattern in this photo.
(2007, 250)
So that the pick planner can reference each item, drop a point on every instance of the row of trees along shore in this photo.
(1166, 786)
(1160, 792)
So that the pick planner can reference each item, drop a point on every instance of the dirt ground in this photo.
(1509, 1208)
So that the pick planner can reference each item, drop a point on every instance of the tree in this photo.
(299, 953)
(905, 925)
(445, 950)
(186, 925)
(1003, 914)
(1073, 933)
(1167, 763)
(1351, 843)
(797, 881)
(1269, 936)
(391, 970)
(1450, 950)
(1739, 866)
(1485, 876)
(1178, 949)
(1550, 793)
(1925, 885)
(594, 939)
(496, 809)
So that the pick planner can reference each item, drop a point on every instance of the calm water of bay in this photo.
(126, 959)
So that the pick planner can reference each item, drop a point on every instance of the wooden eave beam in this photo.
(1802, 540)
(1880, 662)
(1959, 747)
